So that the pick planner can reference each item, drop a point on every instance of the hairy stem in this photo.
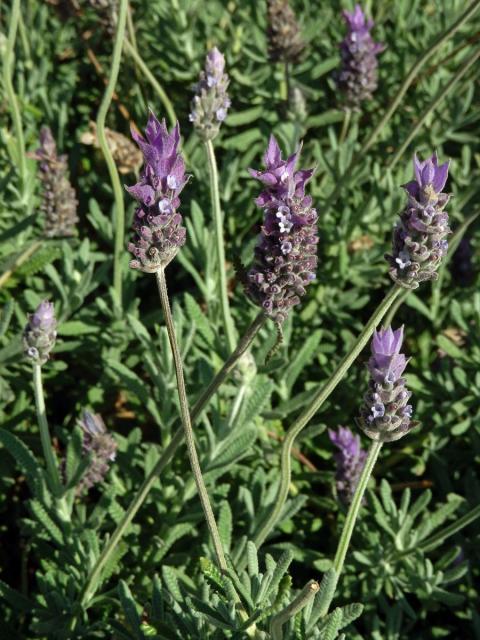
(50, 460)
(318, 399)
(10, 92)
(306, 594)
(186, 421)
(94, 578)
(220, 246)
(119, 223)
(164, 99)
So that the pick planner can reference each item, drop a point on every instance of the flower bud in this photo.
(40, 333)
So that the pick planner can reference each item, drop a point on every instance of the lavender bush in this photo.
(208, 491)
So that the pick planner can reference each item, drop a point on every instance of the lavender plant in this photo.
(99, 445)
(358, 76)
(350, 460)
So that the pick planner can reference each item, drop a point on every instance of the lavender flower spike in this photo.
(159, 233)
(100, 445)
(350, 461)
(59, 201)
(357, 77)
(386, 414)
(40, 333)
(285, 256)
(419, 239)
(210, 103)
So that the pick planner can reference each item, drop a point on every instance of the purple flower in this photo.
(210, 103)
(385, 415)
(40, 333)
(59, 201)
(159, 233)
(357, 76)
(285, 256)
(100, 445)
(285, 42)
(350, 461)
(419, 239)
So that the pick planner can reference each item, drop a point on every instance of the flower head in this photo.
(100, 445)
(350, 460)
(40, 333)
(159, 233)
(386, 414)
(419, 239)
(285, 42)
(285, 257)
(210, 102)
(59, 201)
(357, 77)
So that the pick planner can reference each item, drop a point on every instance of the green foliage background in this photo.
(122, 368)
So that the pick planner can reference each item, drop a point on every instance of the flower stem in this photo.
(444, 91)
(51, 462)
(186, 421)
(306, 594)
(119, 223)
(9, 90)
(94, 577)
(350, 521)
(345, 126)
(218, 222)
(318, 399)
(164, 99)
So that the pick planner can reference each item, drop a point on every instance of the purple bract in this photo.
(419, 239)
(100, 445)
(350, 461)
(40, 333)
(285, 257)
(159, 233)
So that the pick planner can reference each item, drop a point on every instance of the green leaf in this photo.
(23, 456)
(46, 520)
(225, 525)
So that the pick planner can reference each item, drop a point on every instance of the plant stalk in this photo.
(10, 92)
(94, 577)
(319, 398)
(220, 246)
(119, 222)
(186, 421)
(306, 594)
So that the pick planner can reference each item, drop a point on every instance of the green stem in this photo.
(119, 224)
(397, 100)
(318, 399)
(220, 246)
(9, 90)
(395, 307)
(186, 421)
(306, 594)
(444, 91)
(94, 577)
(350, 521)
(345, 125)
(51, 462)
(164, 99)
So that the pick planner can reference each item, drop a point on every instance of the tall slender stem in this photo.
(119, 224)
(351, 519)
(94, 577)
(164, 99)
(187, 424)
(444, 91)
(51, 462)
(218, 222)
(318, 399)
(9, 90)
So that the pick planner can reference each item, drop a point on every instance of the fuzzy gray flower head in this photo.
(100, 445)
(158, 226)
(386, 414)
(350, 461)
(40, 333)
(285, 43)
(286, 254)
(59, 201)
(419, 238)
(210, 102)
(358, 74)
